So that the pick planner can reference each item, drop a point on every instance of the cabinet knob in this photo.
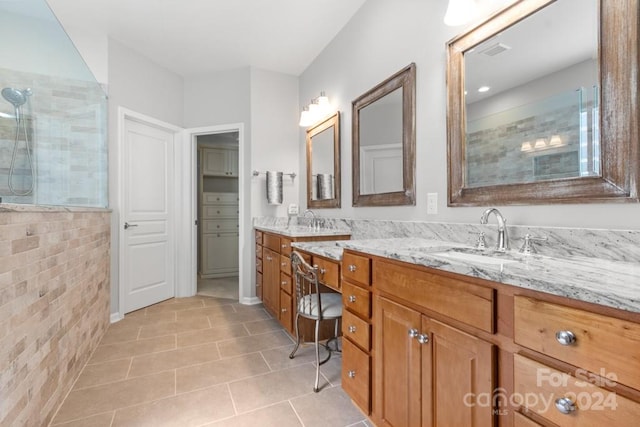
(283, 283)
(565, 405)
(284, 310)
(565, 337)
(352, 329)
(322, 271)
(269, 258)
(352, 268)
(283, 264)
(351, 374)
(423, 339)
(352, 298)
(413, 332)
(284, 246)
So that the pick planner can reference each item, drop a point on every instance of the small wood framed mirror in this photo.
(323, 163)
(384, 142)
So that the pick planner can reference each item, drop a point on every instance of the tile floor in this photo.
(204, 361)
(225, 287)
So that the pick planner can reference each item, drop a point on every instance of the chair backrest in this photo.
(308, 301)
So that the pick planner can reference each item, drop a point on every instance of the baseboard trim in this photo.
(116, 317)
(250, 301)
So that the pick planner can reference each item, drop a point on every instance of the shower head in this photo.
(15, 96)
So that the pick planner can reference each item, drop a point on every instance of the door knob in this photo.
(127, 225)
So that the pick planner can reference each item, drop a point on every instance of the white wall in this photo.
(382, 38)
(140, 85)
(274, 126)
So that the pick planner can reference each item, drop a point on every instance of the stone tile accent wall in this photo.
(54, 305)
(494, 154)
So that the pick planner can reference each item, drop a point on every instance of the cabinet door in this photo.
(398, 366)
(232, 162)
(457, 368)
(219, 253)
(286, 311)
(214, 162)
(270, 280)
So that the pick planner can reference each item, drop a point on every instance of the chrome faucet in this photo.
(314, 220)
(503, 239)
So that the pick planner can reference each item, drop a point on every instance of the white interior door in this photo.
(381, 169)
(148, 253)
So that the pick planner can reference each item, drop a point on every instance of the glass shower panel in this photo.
(53, 146)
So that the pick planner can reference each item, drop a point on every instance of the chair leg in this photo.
(291, 356)
(316, 389)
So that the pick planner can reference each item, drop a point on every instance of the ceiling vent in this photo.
(495, 49)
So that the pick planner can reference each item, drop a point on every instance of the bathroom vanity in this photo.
(437, 333)
(274, 280)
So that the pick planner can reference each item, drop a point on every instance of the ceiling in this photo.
(192, 37)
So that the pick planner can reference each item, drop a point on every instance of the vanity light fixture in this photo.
(526, 146)
(460, 12)
(555, 141)
(318, 109)
(540, 143)
(483, 89)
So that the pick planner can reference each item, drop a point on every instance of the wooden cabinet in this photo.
(218, 235)
(356, 329)
(426, 370)
(221, 161)
(275, 283)
(602, 352)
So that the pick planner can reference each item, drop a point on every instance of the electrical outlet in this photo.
(432, 203)
(292, 210)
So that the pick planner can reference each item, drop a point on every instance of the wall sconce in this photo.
(318, 109)
(459, 12)
(542, 144)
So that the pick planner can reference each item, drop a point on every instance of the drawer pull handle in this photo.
(352, 329)
(423, 339)
(269, 258)
(322, 271)
(565, 405)
(352, 374)
(284, 310)
(352, 298)
(283, 264)
(413, 333)
(283, 246)
(283, 283)
(565, 337)
(352, 268)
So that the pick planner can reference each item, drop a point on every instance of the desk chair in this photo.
(313, 304)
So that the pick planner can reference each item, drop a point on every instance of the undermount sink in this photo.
(492, 258)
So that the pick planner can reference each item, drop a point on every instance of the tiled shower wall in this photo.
(54, 305)
(66, 122)
(494, 155)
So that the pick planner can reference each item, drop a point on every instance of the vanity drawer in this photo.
(286, 283)
(357, 330)
(466, 302)
(272, 242)
(259, 265)
(285, 246)
(356, 374)
(356, 299)
(601, 344)
(538, 388)
(258, 237)
(258, 251)
(520, 420)
(356, 268)
(328, 272)
(285, 264)
(259, 285)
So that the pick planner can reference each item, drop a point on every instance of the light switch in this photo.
(432, 203)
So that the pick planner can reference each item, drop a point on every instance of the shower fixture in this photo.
(18, 97)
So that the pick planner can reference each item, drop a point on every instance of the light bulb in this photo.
(459, 12)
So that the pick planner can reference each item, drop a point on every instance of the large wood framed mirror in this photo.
(323, 163)
(557, 118)
(384, 142)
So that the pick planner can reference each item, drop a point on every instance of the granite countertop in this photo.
(610, 283)
(302, 230)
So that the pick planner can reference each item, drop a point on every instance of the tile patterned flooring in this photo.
(204, 361)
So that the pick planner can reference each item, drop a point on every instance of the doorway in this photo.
(218, 210)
